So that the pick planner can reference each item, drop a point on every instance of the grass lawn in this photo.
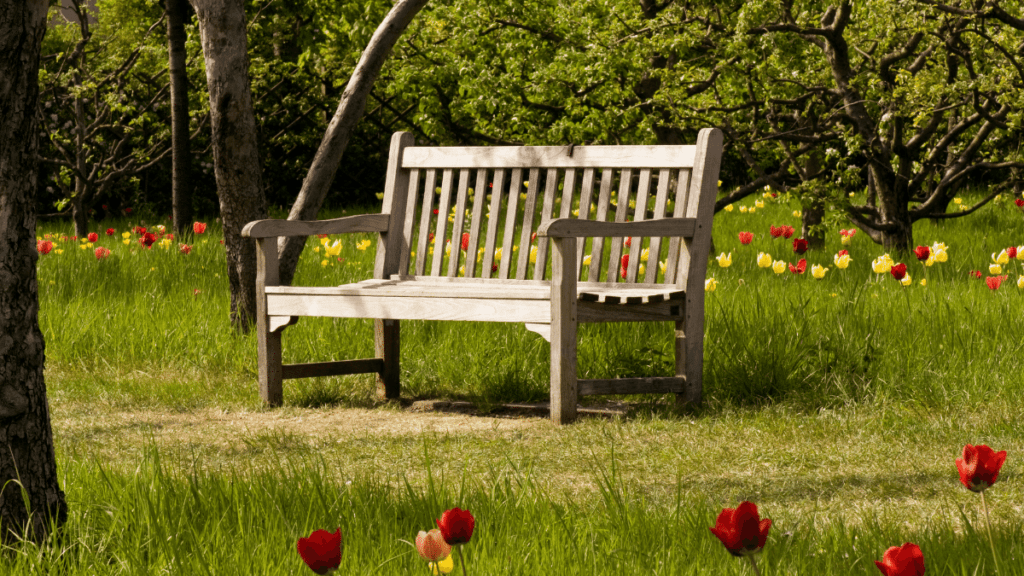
(837, 405)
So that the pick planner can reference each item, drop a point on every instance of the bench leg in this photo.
(564, 390)
(386, 345)
(268, 353)
(689, 361)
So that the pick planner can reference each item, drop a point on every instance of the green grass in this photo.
(838, 405)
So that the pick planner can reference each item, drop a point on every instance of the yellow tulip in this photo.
(363, 245)
(316, 249)
(797, 213)
(940, 255)
(1020, 252)
(759, 204)
(907, 281)
(728, 207)
(842, 262)
(647, 254)
(764, 260)
(59, 251)
(324, 240)
(325, 262)
(779, 266)
(846, 240)
(1020, 282)
(448, 248)
(924, 281)
(995, 269)
(710, 284)
(126, 235)
(751, 210)
(1002, 258)
(957, 201)
(334, 249)
(445, 566)
(640, 271)
(533, 254)
(743, 209)
(586, 260)
(818, 271)
(723, 260)
(938, 246)
(661, 265)
(127, 242)
(497, 255)
(83, 246)
(930, 260)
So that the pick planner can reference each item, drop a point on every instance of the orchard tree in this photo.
(31, 500)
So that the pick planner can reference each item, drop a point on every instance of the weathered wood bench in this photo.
(664, 204)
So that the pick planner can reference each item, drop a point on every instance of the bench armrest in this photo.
(574, 228)
(360, 223)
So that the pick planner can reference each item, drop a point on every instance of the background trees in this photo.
(900, 102)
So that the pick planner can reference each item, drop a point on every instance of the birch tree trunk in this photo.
(350, 110)
(235, 155)
(26, 441)
(181, 155)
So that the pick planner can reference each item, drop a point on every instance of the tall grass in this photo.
(155, 520)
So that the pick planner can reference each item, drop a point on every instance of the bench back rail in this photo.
(493, 199)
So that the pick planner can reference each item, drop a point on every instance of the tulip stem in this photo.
(462, 561)
(988, 524)
(753, 564)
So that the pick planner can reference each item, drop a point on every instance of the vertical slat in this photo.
(410, 220)
(386, 346)
(510, 223)
(527, 229)
(428, 208)
(492, 223)
(637, 244)
(442, 222)
(672, 263)
(563, 331)
(586, 191)
(597, 244)
(621, 210)
(457, 221)
(654, 250)
(268, 344)
(479, 198)
(550, 191)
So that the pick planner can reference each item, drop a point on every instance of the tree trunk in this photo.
(350, 110)
(235, 155)
(812, 207)
(78, 209)
(26, 441)
(181, 155)
(897, 232)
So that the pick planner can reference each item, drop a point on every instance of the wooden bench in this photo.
(665, 198)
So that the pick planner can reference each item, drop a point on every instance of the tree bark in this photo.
(28, 467)
(350, 110)
(181, 154)
(235, 154)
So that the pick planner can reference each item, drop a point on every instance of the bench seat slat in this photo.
(548, 156)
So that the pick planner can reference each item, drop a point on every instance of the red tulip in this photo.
(185, 249)
(746, 237)
(787, 231)
(1019, 203)
(899, 271)
(979, 467)
(74, 237)
(799, 245)
(741, 530)
(906, 560)
(431, 546)
(127, 210)
(976, 273)
(321, 551)
(922, 253)
(465, 240)
(993, 282)
(629, 241)
(147, 239)
(1011, 252)
(196, 291)
(102, 253)
(800, 267)
(776, 232)
(93, 237)
(199, 227)
(44, 246)
(110, 231)
(843, 253)
(456, 526)
(435, 211)
(321, 235)
(139, 230)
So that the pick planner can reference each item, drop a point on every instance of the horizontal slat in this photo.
(486, 290)
(360, 223)
(340, 368)
(653, 385)
(574, 228)
(590, 286)
(549, 157)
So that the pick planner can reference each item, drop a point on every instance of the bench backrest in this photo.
(499, 195)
